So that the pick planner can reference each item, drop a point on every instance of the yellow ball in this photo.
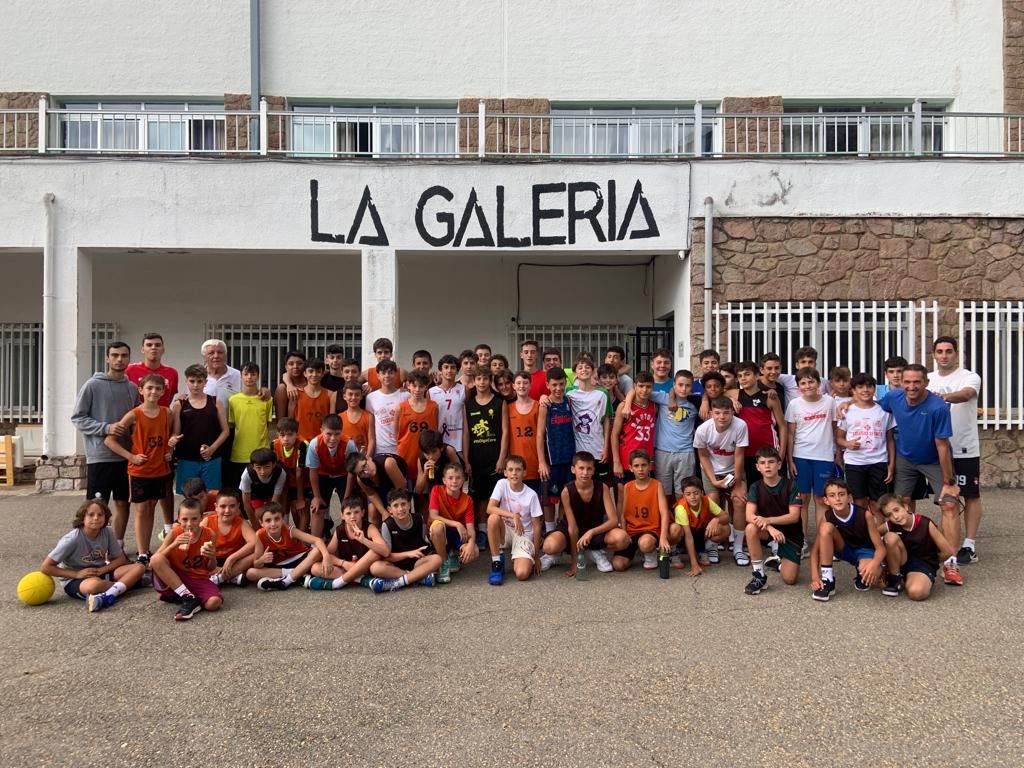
(35, 588)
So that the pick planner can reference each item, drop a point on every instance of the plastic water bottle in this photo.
(664, 563)
(581, 566)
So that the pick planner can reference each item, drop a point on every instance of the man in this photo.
(222, 381)
(959, 387)
(152, 362)
(102, 401)
(923, 429)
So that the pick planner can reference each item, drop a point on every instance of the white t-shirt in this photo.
(385, 417)
(588, 410)
(815, 436)
(869, 426)
(524, 503)
(721, 446)
(227, 384)
(964, 442)
(451, 412)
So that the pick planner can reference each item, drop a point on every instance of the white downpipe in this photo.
(709, 238)
(49, 332)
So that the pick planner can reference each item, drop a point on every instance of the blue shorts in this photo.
(853, 555)
(552, 488)
(811, 475)
(207, 471)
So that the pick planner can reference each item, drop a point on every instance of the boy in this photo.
(262, 482)
(250, 415)
(721, 444)
(293, 379)
(467, 364)
(416, 414)
(234, 537)
(350, 374)
(713, 384)
(556, 442)
(893, 367)
(502, 382)
(184, 563)
(89, 561)
(291, 457)
(704, 524)
(355, 546)
(615, 356)
(410, 560)
(865, 433)
(422, 361)
(326, 459)
(608, 379)
(483, 355)
(728, 371)
(914, 546)
(312, 403)
(521, 423)
(357, 424)
(761, 412)
(643, 514)
(335, 378)
(452, 522)
(590, 521)
(840, 383)
(849, 533)
(484, 441)
(383, 351)
(771, 370)
(450, 396)
(710, 362)
(591, 416)
(634, 426)
(812, 452)
(512, 521)
(202, 422)
(149, 469)
(377, 476)
(279, 550)
(382, 403)
(773, 514)
(498, 363)
(434, 456)
(661, 369)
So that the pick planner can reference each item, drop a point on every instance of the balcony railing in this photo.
(479, 135)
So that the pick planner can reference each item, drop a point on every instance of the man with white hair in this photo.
(222, 381)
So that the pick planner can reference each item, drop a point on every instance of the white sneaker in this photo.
(741, 557)
(600, 559)
(650, 561)
(711, 550)
(805, 552)
(546, 561)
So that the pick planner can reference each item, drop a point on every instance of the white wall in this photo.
(672, 296)
(572, 50)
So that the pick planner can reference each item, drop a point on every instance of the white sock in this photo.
(167, 528)
(238, 579)
(827, 574)
(403, 580)
(757, 566)
(951, 560)
(495, 558)
(116, 590)
(969, 543)
(338, 583)
(182, 591)
(217, 578)
(773, 545)
(737, 540)
(286, 575)
(549, 526)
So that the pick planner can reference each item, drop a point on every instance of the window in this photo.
(373, 131)
(857, 129)
(151, 126)
(629, 132)
(570, 339)
(266, 345)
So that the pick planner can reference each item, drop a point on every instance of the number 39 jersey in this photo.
(522, 438)
(638, 432)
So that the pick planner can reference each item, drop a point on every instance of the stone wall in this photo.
(20, 131)
(61, 473)
(1013, 56)
(745, 134)
(519, 134)
(236, 127)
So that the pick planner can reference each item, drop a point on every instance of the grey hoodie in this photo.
(102, 401)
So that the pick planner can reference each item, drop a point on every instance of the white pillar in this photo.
(380, 299)
(69, 329)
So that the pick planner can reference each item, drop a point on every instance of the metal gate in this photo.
(646, 341)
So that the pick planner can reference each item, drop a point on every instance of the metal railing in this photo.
(267, 344)
(992, 345)
(857, 334)
(481, 134)
(569, 339)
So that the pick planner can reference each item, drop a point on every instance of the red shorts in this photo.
(204, 589)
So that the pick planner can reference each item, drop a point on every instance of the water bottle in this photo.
(581, 566)
(664, 563)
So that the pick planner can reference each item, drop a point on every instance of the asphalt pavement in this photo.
(621, 670)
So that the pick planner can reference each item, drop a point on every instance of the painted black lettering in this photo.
(638, 196)
(444, 217)
(472, 206)
(546, 213)
(611, 210)
(590, 214)
(507, 242)
(366, 204)
(314, 217)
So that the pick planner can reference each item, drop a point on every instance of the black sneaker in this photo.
(859, 585)
(190, 606)
(966, 555)
(893, 586)
(267, 584)
(773, 562)
(758, 582)
(828, 588)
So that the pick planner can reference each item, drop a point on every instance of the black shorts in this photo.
(867, 481)
(107, 479)
(482, 485)
(913, 565)
(603, 473)
(750, 472)
(330, 485)
(596, 541)
(410, 562)
(148, 488)
(968, 476)
(634, 545)
(627, 477)
(552, 489)
(699, 538)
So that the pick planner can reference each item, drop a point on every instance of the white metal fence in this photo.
(569, 339)
(992, 345)
(21, 367)
(266, 345)
(857, 334)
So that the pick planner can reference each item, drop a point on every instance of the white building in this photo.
(444, 174)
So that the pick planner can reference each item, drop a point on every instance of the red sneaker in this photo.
(951, 575)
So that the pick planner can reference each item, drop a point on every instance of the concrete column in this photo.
(380, 298)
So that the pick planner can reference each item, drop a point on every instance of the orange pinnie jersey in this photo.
(522, 437)
(410, 424)
(294, 462)
(190, 560)
(458, 509)
(227, 543)
(150, 437)
(358, 433)
(640, 508)
(373, 380)
(310, 412)
(285, 547)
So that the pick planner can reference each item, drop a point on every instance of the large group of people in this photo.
(596, 463)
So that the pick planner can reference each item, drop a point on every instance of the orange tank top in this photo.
(293, 462)
(410, 424)
(640, 508)
(522, 438)
(285, 547)
(150, 437)
(227, 543)
(189, 560)
(373, 380)
(310, 413)
(358, 433)
(330, 466)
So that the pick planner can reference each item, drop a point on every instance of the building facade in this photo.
(296, 174)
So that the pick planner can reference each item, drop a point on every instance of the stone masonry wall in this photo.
(744, 134)
(20, 131)
(823, 259)
(520, 135)
(61, 473)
